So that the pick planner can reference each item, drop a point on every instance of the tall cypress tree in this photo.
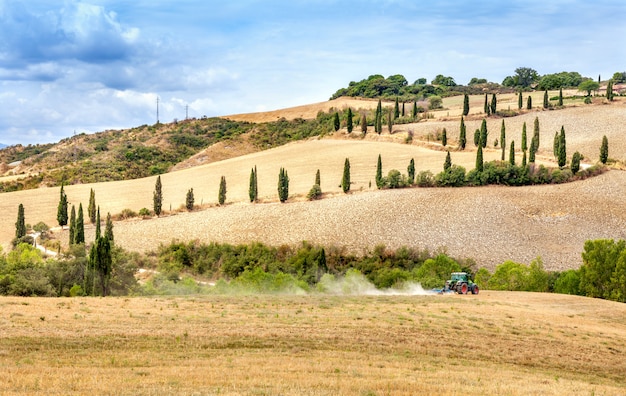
(283, 185)
(378, 118)
(479, 159)
(546, 102)
(519, 100)
(502, 139)
(336, 123)
(403, 109)
(20, 224)
(345, 180)
(529, 103)
(447, 164)
(411, 171)
(157, 197)
(98, 232)
(562, 148)
(414, 114)
(512, 154)
(318, 179)
(444, 137)
(349, 121)
(466, 104)
(62, 208)
(561, 96)
(524, 138)
(524, 159)
(72, 233)
(604, 150)
(486, 104)
(221, 196)
(189, 199)
(100, 259)
(79, 231)
(536, 130)
(252, 193)
(609, 91)
(108, 228)
(396, 109)
(462, 135)
(477, 138)
(379, 173)
(494, 103)
(390, 122)
(483, 133)
(91, 209)
(364, 124)
(555, 145)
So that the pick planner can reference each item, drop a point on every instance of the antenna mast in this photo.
(157, 110)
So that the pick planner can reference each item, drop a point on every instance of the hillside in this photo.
(492, 343)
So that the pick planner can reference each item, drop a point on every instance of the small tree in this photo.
(79, 230)
(364, 124)
(390, 122)
(588, 86)
(91, 208)
(396, 109)
(462, 135)
(562, 160)
(414, 113)
(512, 154)
(523, 159)
(345, 180)
(157, 197)
(380, 182)
(529, 103)
(486, 106)
(555, 145)
(479, 159)
(411, 171)
(536, 130)
(502, 139)
(609, 91)
(403, 109)
(575, 165)
(62, 208)
(98, 232)
(20, 224)
(604, 150)
(318, 179)
(466, 104)
(444, 137)
(336, 122)
(448, 162)
(283, 185)
(221, 196)
(560, 96)
(378, 118)
(519, 100)
(108, 228)
(524, 138)
(483, 133)
(252, 190)
(477, 138)
(349, 121)
(100, 259)
(189, 199)
(546, 102)
(72, 233)
(494, 103)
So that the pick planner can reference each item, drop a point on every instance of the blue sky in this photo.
(86, 66)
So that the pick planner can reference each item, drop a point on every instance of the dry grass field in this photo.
(494, 343)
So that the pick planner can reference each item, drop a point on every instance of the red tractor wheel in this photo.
(475, 289)
(464, 288)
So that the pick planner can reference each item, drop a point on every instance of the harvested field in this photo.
(491, 343)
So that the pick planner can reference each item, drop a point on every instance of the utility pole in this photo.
(157, 110)
(186, 112)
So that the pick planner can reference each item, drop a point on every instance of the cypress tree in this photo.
(402, 109)
(411, 171)
(390, 122)
(345, 181)
(483, 133)
(349, 121)
(414, 114)
(562, 149)
(98, 232)
(318, 179)
(512, 154)
(555, 145)
(364, 124)
(609, 91)
(494, 103)
(519, 100)
(396, 109)
(448, 162)
(533, 149)
(79, 230)
(100, 259)
(379, 173)
(336, 123)
(561, 96)
(91, 209)
(283, 185)
(189, 199)
(604, 150)
(524, 138)
(72, 233)
(524, 159)
(575, 165)
(546, 102)
(444, 137)
(502, 139)
(462, 135)
(465, 104)
(157, 197)
(529, 103)
(62, 209)
(486, 104)
(536, 130)
(108, 228)
(479, 159)
(378, 118)
(252, 193)
(477, 138)
(20, 224)
(221, 196)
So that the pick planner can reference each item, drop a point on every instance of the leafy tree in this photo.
(283, 185)
(562, 158)
(252, 189)
(100, 260)
(523, 77)
(20, 225)
(435, 102)
(443, 80)
(189, 199)
(444, 137)
(588, 86)
(494, 103)
(221, 196)
(483, 133)
(380, 182)
(466, 104)
(62, 208)
(519, 100)
(603, 260)
(349, 121)
(462, 135)
(619, 77)
(108, 228)
(448, 162)
(345, 180)
(546, 102)
(336, 122)
(364, 124)
(411, 171)
(79, 230)
(560, 96)
(479, 159)
(575, 165)
(72, 233)
(529, 103)
(512, 154)
(502, 139)
(396, 109)
(157, 197)
(91, 208)
(524, 137)
(604, 150)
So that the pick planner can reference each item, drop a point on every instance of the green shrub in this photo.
(434, 272)
(396, 180)
(568, 282)
(314, 193)
(452, 177)
(425, 179)
(145, 212)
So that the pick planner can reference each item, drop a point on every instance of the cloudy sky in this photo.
(84, 66)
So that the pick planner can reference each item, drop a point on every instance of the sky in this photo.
(69, 67)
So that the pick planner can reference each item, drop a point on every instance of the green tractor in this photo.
(460, 283)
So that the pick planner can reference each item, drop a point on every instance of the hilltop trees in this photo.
(604, 150)
(62, 208)
(253, 191)
(283, 185)
(91, 208)
(345, 180)
(221, 196)
(157, 197)
(523, 77)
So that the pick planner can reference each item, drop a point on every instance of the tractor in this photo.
(461, 283)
